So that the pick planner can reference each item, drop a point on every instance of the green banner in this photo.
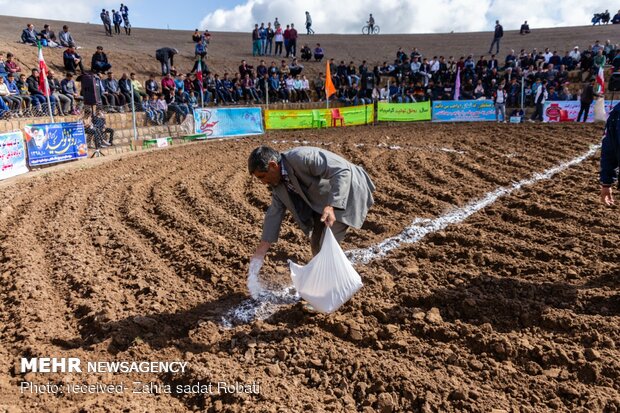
(303, 119)
(403, 112)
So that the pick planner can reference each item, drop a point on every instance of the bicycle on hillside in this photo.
(366, 29)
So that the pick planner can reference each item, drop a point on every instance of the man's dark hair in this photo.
(260, 158)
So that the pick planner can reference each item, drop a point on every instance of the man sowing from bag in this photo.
(318, 187)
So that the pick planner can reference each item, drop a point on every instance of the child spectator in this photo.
(15, 92)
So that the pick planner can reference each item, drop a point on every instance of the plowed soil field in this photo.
(512, 307)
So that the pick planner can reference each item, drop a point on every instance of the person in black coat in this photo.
(165, 56)
(99, 62)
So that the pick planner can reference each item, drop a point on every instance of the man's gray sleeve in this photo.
(273, 220)
(337, 172)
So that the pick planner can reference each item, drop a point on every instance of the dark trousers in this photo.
(316, 238)
(585, 108)
(496, 43)
(538, 114)
(278, 50)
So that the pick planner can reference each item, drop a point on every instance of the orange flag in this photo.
(329, 85)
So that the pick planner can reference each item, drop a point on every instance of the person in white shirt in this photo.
(290, 86)
(547, 55)
(575, 55)
(499, 99)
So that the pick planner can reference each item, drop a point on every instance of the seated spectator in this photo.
(5, 111)
(63, 102)
(479, 90)
(15, 92)
(525, 28)
(137, 86)
(168, 87)
(11, 65)
(48, 37)
(99, 61)
(30, 35)
(65, 37)
(467, 90)
(616, 19)
(3, 70)
(599, 60)
(37, 97)
(72, 60)
(295, 68)
(306, 54)
(69, 89)
(22, 86)
(318, 53)
(113, 92)
(151, 86)
(153, 114)
(13, 102)
(125, 84)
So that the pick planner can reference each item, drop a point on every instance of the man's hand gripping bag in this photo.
(328, 280)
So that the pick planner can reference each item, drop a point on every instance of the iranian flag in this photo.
(43, 86)
(199, 71)
(600, 80)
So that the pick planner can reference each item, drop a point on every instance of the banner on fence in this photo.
(403, 112)
(303, 119)
(55, 142)
(12, 155)
(551, 110)
(463, 110)
(220, 123)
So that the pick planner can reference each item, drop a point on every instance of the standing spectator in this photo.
(255, 41)
(107, 23)
(29, 34)
(270, 35)
(64, 102)
(610, 158)
(65, 37)
(279, 39)
(117, 19)
(371, 24)
(99, 62)
(497, 35)
(124, 11)
(197, 36)
(293, 40)
(309, 24)
(69, 89)
(616, 19)
(587, 97)
(287, 36)
(126, 25)
(72, 60)
(165, 56)
(525, 28)
(262, 34)
(539, 99)
(499, 99)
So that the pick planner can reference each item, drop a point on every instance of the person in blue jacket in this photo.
(610, 156)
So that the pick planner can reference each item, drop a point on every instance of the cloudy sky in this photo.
(343, 16)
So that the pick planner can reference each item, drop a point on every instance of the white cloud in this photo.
(405, 16)
(77, 11)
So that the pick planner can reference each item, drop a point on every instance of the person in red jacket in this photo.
(292, 41)
(287, 36)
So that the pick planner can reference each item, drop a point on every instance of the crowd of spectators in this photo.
(410, 77)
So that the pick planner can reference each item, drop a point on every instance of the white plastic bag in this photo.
(599, 110)
(328, 280)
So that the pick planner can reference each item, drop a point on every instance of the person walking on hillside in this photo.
(320, 189)
(107, 22)
(497, 35)
(309, 24)
(587, 97)
(610, 156)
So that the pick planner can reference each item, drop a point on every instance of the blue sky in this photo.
(394, 16)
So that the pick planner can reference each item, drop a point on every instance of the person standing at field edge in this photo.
(610, 156)
(318, 187)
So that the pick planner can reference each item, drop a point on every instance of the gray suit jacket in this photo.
(321, 178)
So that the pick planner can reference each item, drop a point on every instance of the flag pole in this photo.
(47, 95)
(133, 116)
